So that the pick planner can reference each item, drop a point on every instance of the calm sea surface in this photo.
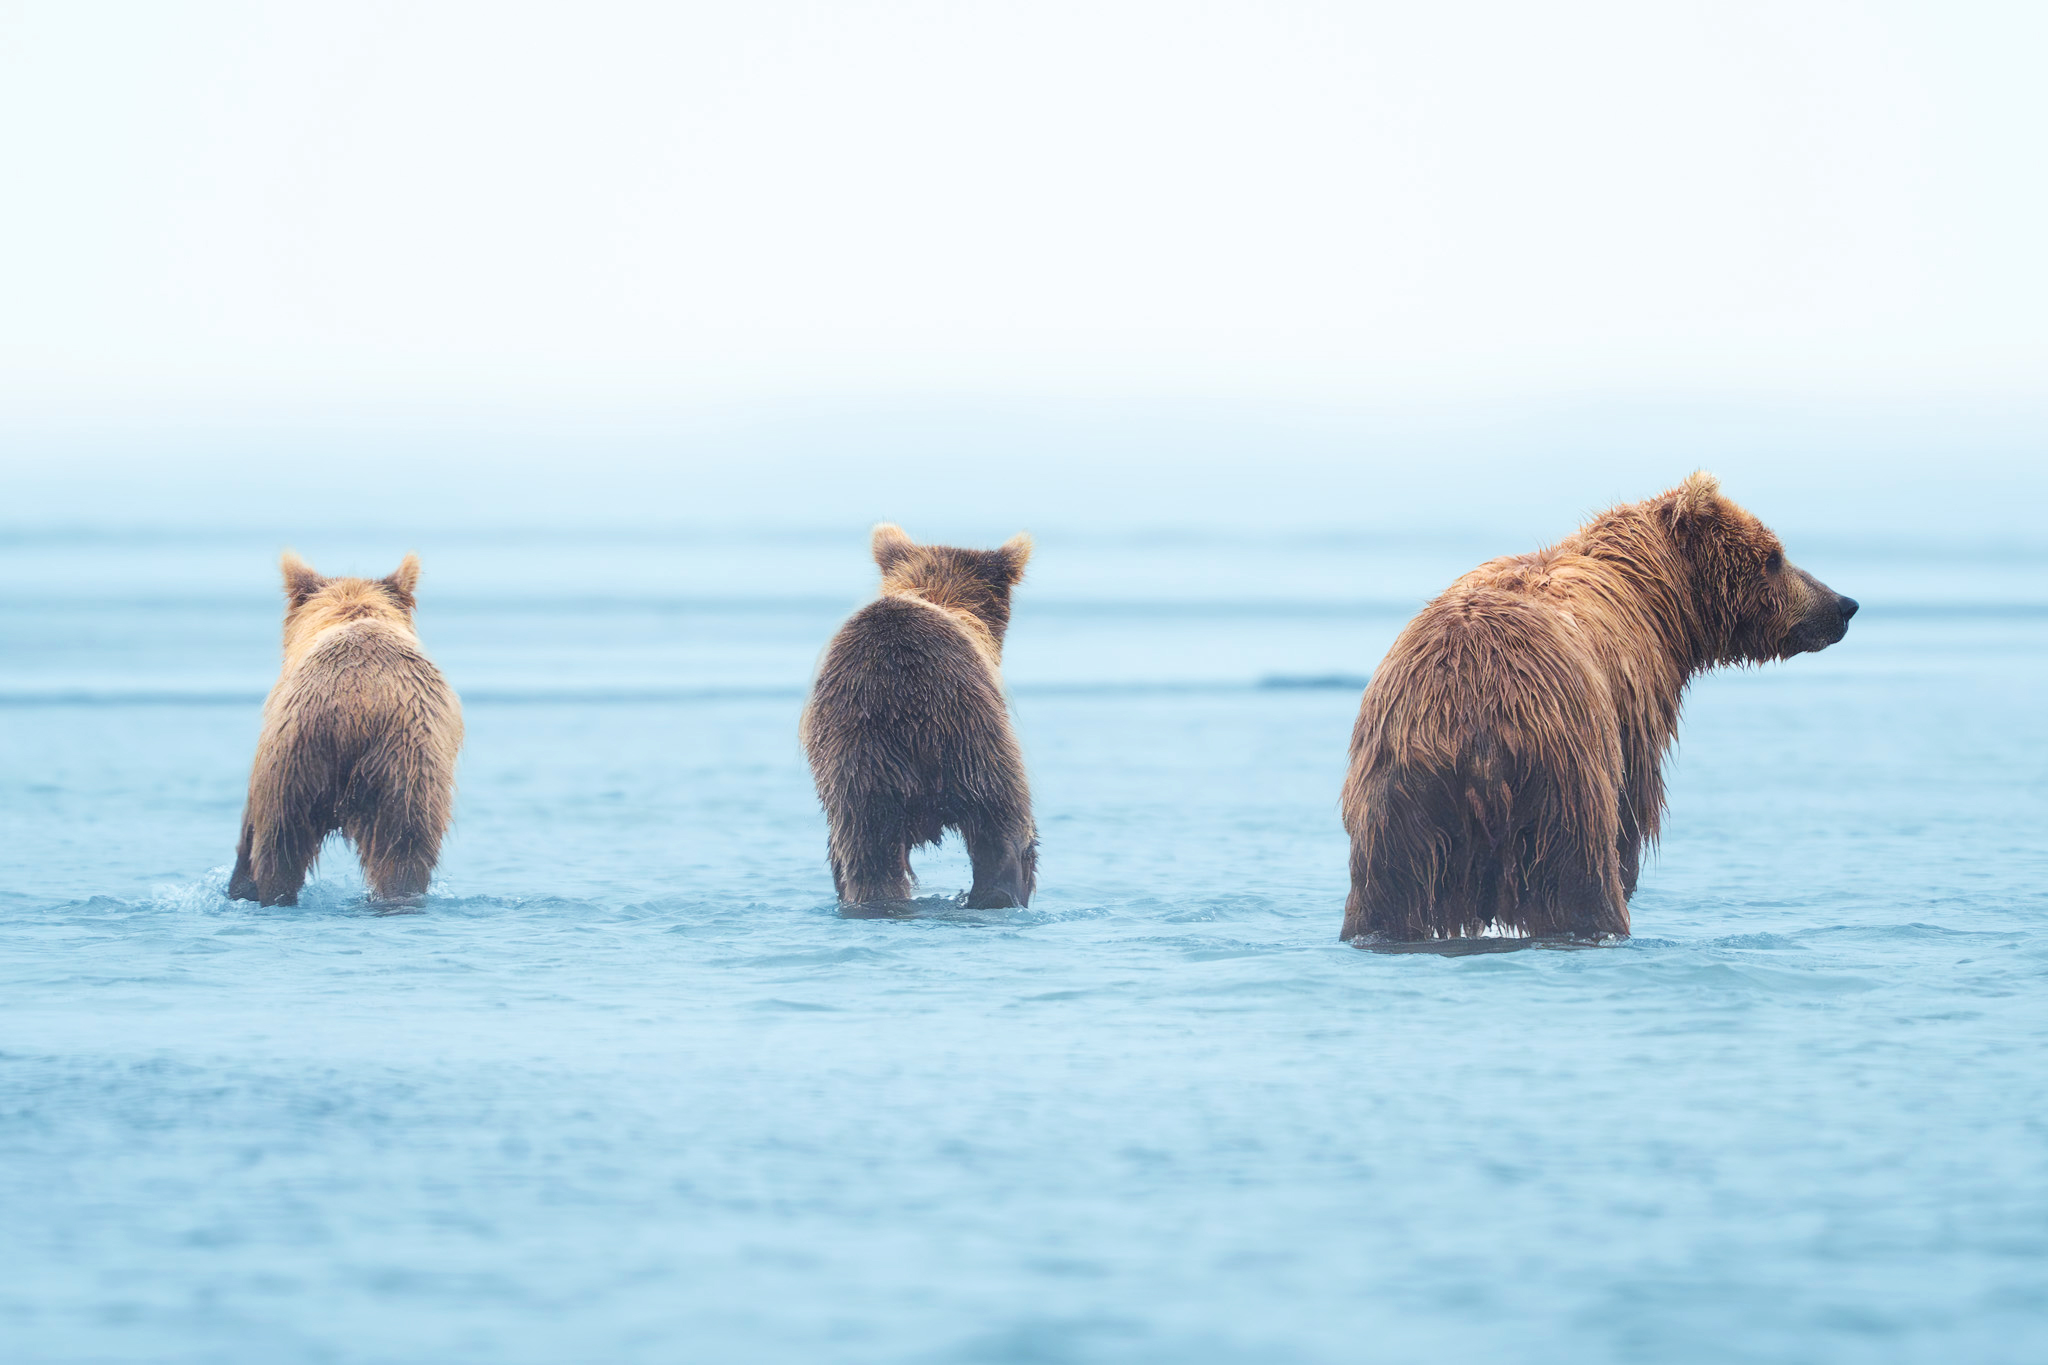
(630, 1089)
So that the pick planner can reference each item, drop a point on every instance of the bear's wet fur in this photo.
(1506, 766)
(359, 736)
(908, 732)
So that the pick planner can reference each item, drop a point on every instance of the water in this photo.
(630, 1089)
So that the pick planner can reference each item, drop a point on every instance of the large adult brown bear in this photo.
(359, 735)
(1505, 769)
(908, 732)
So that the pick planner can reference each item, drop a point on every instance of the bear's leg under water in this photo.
(242, 881)
(396, 822)
(282, 851)
(870, 848)
(398, 857)
(1005, 864)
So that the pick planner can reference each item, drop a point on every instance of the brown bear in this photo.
(359, 735)
(1505, 769)
(907, 730)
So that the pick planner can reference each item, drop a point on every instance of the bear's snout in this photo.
(1824, 621)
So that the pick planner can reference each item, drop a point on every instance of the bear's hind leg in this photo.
(281, 855)
(870, 850)
(1005, 864)
(396, 819)
(397, 865)
(242, 881)
(1572, 894)
(1629, 846)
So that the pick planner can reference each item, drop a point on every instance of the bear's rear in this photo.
(908, 732)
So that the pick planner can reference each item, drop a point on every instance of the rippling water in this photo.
(629, 1089)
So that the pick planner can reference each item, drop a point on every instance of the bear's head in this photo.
(976, 581)
(1751, 604)
(313, 604)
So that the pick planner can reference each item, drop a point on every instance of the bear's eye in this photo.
(1775, 562)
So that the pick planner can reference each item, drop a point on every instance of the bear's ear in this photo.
(300, 582)
(1695, 502)
(890, 545)
(405, 577)
(1012, 556)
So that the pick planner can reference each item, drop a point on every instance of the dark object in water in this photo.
(1506, 764)
(908, 733)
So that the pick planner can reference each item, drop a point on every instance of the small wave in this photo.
(950, 910)
(89, 697)
(1761, 942)
(483, 907)
(1913, 931)
(1221, 909)
(1341, 682)
(342, 893)
(207, 896)
(812, 957)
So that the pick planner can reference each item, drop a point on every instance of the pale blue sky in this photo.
(219, 205)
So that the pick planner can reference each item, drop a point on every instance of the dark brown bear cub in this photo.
(359, 735)
(907, 730)
(1506, 769)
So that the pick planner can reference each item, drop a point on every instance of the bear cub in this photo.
(359, 735)
(907, 730)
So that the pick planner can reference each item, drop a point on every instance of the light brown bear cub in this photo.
(907, 730)
(1506, 769)
(359, 735)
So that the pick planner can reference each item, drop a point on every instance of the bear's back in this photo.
(904, 683)
(909, 643)
(363, 680)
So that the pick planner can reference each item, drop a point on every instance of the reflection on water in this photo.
(1480, 943)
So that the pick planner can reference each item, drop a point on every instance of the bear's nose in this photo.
(1846, 606)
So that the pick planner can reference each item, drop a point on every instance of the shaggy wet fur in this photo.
(907, 729)
(359, 735)
(1506, 768)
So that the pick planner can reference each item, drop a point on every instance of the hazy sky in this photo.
(416, 203)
